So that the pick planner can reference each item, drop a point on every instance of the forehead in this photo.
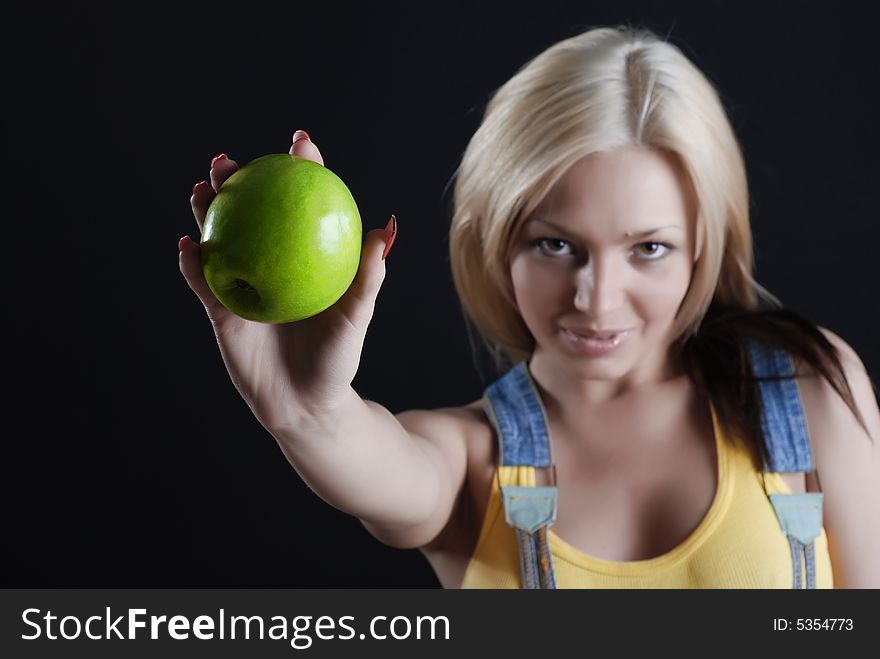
(623, 185)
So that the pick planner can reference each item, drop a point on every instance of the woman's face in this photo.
(610, 249)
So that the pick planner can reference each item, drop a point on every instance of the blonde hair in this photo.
(606, 88)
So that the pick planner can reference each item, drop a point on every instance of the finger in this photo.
(203, 193)
(191, 268)
(359, 300)
(202, 196)
(221, 169)
(304, 147)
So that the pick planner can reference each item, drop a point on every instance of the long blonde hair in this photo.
(606, 88)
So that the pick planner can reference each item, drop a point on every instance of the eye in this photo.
(553, 242)
(655, 251)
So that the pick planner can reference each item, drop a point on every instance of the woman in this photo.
(601, 246)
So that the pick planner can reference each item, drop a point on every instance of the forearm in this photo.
(361, 460)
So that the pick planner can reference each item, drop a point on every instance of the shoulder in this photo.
(825, 401)
(444, 424)
(848, 356)
(847, 461)
(830, 418)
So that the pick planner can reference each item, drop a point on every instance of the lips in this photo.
(595, 344)
(595, 334)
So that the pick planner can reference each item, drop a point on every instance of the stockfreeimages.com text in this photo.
(299, 630)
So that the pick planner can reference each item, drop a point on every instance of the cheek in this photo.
(664, 289)
(536, 286)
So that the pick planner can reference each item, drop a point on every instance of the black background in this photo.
(130, 459)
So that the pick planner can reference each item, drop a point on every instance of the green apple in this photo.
(281, 240)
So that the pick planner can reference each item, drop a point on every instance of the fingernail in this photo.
(198, 185)
(180, 242)
(217, 157)
(390, 235)
(300, 135)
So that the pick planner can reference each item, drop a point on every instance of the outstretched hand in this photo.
(289, 371)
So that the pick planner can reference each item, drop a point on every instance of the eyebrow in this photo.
(628, 234)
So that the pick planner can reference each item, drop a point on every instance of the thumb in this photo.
(360, 299)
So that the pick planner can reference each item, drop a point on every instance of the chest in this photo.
(634, 501)
(632, 486)
(620, 506)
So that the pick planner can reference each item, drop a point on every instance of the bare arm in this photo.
(848, 464)
(363, 461)
(296, 378)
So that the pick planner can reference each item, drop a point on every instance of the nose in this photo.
(599, 287)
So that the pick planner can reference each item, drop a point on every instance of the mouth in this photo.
(595, 344)
(603, 335)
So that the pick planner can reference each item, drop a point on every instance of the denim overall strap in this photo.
(514, 409)
(788, 450)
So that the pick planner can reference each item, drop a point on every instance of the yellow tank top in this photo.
(738, 543)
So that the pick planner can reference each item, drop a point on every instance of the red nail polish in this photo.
(390, 235)
(198, 185)
(217, 157)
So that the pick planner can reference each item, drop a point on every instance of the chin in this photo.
(592, 369)
(570, 358)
